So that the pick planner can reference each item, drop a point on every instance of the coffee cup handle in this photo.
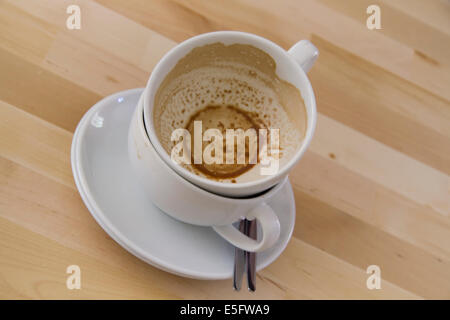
(305, 53)
(270, 226)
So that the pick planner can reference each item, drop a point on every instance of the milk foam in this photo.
(225, 83)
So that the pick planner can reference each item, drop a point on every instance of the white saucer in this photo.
(105, 181)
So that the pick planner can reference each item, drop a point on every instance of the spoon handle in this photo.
(239, 261)
(251, 256)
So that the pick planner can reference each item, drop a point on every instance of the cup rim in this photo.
(247, 38)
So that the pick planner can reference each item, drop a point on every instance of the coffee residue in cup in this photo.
(224, 118)
(218, 82)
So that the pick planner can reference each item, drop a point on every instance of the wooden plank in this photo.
(24, 34)
(34, 90)
(360, 244)
(381, 164)
(113, 63)
(435, 13)
(91, 67)
(398, 23)
(102, 29)
(35, 143)
(34, 267)
(372, 203)
(165, 17)
(382, 106)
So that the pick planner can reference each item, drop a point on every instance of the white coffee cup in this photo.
(201, 201)
(290, 66)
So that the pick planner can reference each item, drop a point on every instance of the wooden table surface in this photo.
(373, 188)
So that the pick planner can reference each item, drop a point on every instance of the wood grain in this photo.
(373, 188)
